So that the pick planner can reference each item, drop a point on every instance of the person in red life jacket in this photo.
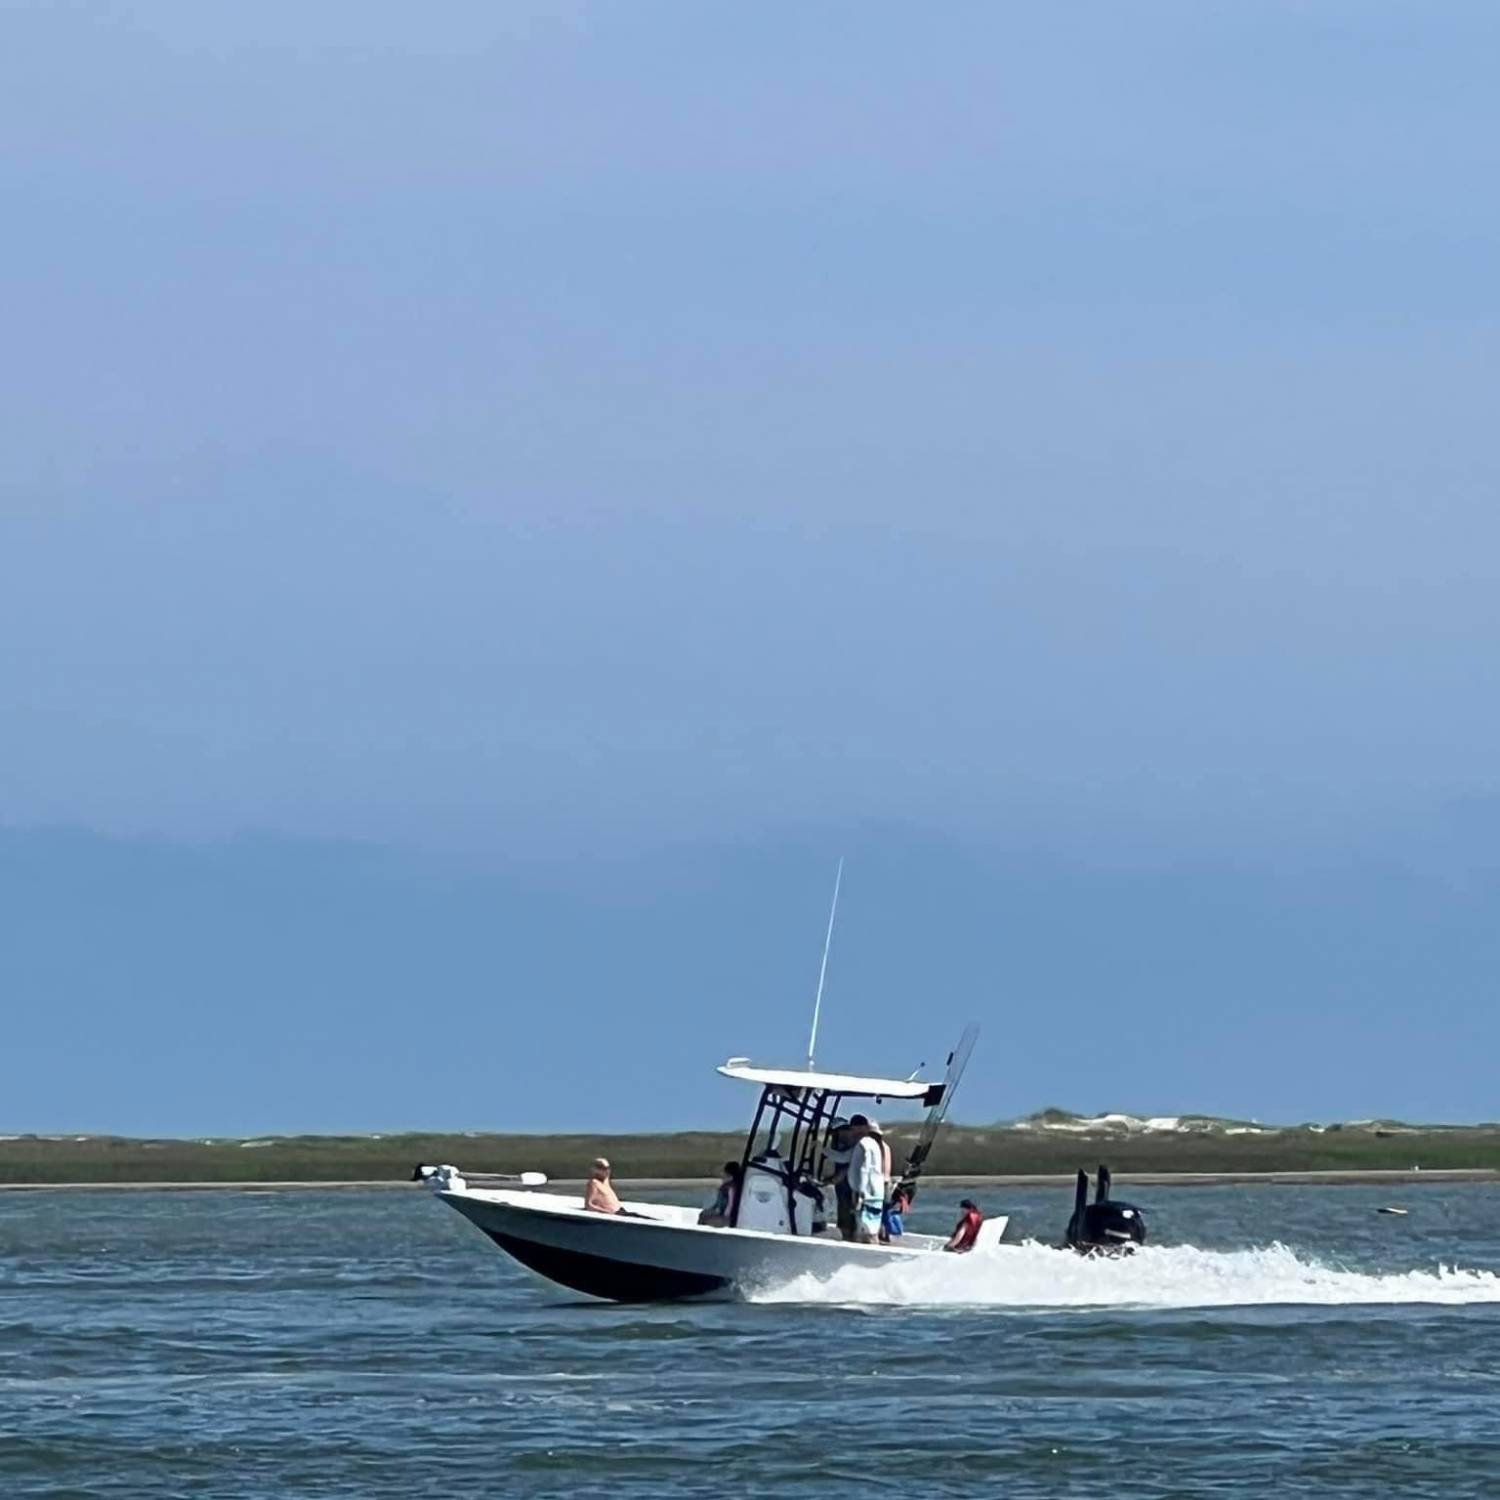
(966, 1231)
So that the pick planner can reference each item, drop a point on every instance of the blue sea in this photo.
(1270, 1342)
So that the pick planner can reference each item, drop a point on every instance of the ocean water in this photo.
(1277, 1342)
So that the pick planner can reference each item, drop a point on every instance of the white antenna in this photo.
(833, 911)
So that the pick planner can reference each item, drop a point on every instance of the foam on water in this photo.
(1178, 1276)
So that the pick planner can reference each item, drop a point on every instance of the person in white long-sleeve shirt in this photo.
(867, 1178)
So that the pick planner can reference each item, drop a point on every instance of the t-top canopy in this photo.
(834, 1083)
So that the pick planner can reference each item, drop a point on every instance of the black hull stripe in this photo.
(614, 1280)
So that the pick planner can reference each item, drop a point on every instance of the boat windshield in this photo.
(787, 1160)
(793, 1124)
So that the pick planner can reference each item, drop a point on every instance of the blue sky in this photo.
(1049, 452)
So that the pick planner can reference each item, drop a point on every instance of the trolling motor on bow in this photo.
(1103, 1227)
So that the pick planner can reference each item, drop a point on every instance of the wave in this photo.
(1031, 1275)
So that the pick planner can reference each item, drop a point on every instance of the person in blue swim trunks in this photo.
(893, 1220)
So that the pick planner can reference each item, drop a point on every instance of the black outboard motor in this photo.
(1103, 1227)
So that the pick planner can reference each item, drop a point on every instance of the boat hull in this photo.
(656, 1253)
(613, 1279)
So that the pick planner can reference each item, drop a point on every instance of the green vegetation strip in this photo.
(963, 1151)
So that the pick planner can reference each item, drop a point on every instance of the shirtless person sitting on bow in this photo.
(599, 1193)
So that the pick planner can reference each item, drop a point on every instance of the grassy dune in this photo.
(963, 1150)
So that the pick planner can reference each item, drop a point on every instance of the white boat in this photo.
(782, 1222)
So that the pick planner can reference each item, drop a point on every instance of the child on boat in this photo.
(966, 1231)
(893, 1220)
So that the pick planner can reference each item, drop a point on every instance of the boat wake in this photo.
(1031, 1275)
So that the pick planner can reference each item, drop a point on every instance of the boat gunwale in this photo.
(639, 1218)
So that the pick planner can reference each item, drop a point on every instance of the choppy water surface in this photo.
(1276, 1341)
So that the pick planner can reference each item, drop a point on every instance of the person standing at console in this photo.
(867, 1178)
(840, 1149)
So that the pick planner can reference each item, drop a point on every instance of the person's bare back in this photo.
(599, 1193)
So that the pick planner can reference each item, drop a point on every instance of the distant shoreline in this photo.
(1355, 1178)
(984, 1153)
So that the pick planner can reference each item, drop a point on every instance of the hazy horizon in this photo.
(263, 985)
